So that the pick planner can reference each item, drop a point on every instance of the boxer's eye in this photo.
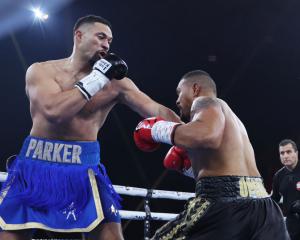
(103, 36)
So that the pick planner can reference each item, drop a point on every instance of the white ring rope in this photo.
(136, 215)
(3, 176)
(141, 192)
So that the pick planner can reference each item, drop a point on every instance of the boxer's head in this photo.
(92, 37)
(192, 85)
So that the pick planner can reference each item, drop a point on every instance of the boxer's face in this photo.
(184, 100)
(288, 156)
(93, 40)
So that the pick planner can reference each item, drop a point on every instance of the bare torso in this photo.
(59, 110)
(87, 122)
(234, 156)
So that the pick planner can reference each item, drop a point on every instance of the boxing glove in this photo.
(177, 159)
(142, 135)
(105, 69)
(152, 131)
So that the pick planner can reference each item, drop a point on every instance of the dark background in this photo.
(251, 48)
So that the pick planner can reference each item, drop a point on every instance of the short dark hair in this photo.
(201, 77)
(90, 19)
(288, 141)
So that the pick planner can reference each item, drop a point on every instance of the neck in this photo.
(208, 94)
(78, 64)
(292, 167)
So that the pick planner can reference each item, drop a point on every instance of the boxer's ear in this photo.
(78, 35)
(196, 90)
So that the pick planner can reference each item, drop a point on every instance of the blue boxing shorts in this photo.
(57, 186)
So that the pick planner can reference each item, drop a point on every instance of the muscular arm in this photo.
(206, 128)
(47, 97)
(130, 95)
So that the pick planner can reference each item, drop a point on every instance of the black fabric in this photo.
(292, 223)
(295, 207)
(219, 212)
(228, 187)
(285, 186)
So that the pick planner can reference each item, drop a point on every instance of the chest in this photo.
(99, 105)
(67, 80)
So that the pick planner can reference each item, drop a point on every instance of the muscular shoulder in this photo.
(42, 70)
(48, 66)
(32, 71)
(39, 67)
(202, 103)
(40, 73)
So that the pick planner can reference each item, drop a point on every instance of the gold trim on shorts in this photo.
(193, 212)
(98, 206)
(252, 187)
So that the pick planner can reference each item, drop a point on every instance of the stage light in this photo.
(39, 14)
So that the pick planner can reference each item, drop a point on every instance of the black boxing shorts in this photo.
(227, 208)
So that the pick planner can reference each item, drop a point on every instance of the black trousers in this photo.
(293, 226)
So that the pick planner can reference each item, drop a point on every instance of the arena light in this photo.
(39, 14)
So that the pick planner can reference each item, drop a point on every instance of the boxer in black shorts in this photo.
(231, 201)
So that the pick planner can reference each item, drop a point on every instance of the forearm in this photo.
(130, 95)
(167, 114)
(151, 109)
(63, 106)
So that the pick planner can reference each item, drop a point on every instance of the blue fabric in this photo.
(110, 206)
(48, 183)
(90, 151)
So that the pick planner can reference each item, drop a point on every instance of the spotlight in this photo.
(40, 15)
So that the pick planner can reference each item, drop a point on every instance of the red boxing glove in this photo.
(142, 135)
(152, 131)
(177, 159)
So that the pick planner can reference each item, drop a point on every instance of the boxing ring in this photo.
(147, 216)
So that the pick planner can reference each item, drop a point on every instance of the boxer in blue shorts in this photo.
(56, 183)
(71, 194)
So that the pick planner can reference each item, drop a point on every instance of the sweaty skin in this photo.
(216, 139)
(85, 122)
(59, 111)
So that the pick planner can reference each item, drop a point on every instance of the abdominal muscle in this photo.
(82, 127)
